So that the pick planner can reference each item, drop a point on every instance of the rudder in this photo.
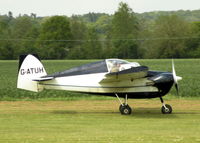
(30, 67)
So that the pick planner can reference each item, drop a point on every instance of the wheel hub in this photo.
(126, 111)
(166, 110)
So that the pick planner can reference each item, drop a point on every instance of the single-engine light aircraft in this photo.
(110, 77)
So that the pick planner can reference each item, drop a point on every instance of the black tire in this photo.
(126, 110)
(121, 105)
(168, 109)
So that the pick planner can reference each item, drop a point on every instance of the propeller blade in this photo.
(174, 73)
(177, 89)
(176, 78)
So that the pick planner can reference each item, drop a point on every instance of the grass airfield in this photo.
(62, 117)
(99, 121)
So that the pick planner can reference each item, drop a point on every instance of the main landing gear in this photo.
(124, 108)
(165, 109)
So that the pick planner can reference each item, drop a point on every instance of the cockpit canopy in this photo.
(108, 65)
(115, 65)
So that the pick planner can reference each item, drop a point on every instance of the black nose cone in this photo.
(163, 82)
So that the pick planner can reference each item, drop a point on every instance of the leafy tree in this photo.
(92, 17)
(188, 15)
(54, 31)
(7, 50)
(169, 37)
(79, 34)
(124, 30)
(6, 46)
(193, 44)
(47, 35)
(24, 32)
(79, 31)
(103, 23)
(92, 47)
(124, 22)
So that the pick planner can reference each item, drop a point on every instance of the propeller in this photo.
(175, 77)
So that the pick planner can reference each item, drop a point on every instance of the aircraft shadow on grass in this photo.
(138, 113)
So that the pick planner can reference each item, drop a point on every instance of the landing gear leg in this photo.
(165, 109)
(124, 108)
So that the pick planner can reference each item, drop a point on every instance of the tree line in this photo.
(95, 36)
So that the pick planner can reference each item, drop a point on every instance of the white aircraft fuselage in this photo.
(110, 77)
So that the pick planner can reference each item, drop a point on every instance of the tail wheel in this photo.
(167, 109)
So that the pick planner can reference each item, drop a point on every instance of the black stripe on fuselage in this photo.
(130, 95)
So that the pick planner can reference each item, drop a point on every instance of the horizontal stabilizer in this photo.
(43, 78)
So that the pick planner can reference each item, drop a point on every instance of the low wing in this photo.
(43, 78)
(132, 73)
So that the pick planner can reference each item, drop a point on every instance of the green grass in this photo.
(98, 122)
(81, 118)
(189, 69)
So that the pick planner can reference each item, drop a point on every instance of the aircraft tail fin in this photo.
(30, 68)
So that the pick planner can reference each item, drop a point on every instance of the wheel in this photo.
(121, 105)
(126, 110)
(167, 110)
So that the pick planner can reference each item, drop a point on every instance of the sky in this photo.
(70, 7)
